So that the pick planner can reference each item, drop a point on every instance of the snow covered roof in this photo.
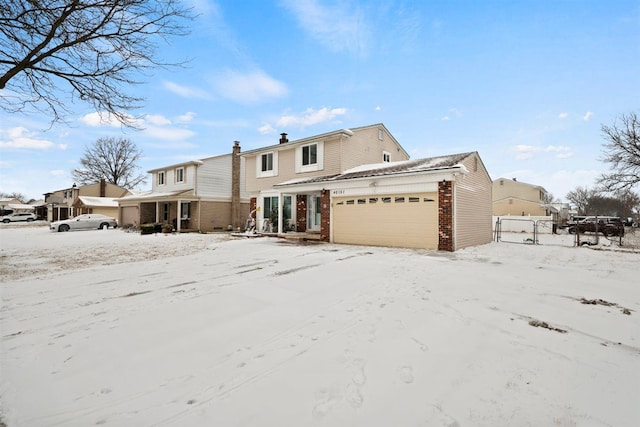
(19, 206)
(99, 202)
(387, 169)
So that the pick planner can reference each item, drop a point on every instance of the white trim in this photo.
(269, 173)
(318, 166)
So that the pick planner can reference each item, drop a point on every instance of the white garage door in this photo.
(400, 220)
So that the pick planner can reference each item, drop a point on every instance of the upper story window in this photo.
(386, 156)
(267, 164)
(380, 135)
(310, 154)
(179, 175)
(309, 157)
(161, 178)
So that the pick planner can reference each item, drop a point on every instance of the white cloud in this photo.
(186, 117)
(524, 152)
(445, 118)
(168, 133)
(378, 108)
(185, 91)
(156, 119)
(310, 117)
(249, 88)
(96, 119)
(266, 130)
(341, 26)
(563, 116)
(20, 138)
(587, 116)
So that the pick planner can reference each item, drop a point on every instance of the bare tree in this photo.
(580, 198)
(622, 152)
(113, 159)
(89, 49)
(18, 196)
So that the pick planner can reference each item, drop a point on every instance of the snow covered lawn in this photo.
(114, 328)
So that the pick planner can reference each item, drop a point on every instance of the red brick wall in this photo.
(253, 202)
(445, 216)
(301, 213)
(325, 216)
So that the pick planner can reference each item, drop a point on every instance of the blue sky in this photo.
(527, 84)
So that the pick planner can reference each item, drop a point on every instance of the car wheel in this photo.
(63, 228)
(572, 230)
(104, 225)
(29, 219)
(6, 221)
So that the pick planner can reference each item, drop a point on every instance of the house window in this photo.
(165, 212)
(309, 158)
(310, 155)
(180, 175)
(267, 162)
(161, 180)
(380, 134)
(386, 156)
(185, 210)
(270, 203)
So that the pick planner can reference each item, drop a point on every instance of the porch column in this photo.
(179, 220)
(280, 211)
(157, 212)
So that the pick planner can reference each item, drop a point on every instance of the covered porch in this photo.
(301, 215)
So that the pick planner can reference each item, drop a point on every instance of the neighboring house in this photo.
(8, 206)
(201, 195)
(511, 197)
(357, 186)
(39, 208)
(67, 203)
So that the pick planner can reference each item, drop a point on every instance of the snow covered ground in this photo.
(113, 328)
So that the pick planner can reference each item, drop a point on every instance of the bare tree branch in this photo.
(91, 49)
(622, 152)
(113, 159)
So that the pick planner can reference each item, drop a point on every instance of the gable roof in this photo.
(404, 167)
(344, 132)
(514, 181)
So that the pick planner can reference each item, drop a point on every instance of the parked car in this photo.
(607, 225)
(85, 222)
(18, 216)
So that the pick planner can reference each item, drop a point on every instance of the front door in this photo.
(313, 213)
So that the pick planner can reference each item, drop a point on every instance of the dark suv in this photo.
(607, 225)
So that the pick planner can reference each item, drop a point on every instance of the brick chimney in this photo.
(103, 188)
(236, 221)
(283, 138)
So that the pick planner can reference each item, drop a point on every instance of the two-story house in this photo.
(512, 197)
(98, 198)
(358, 186)
(200, 195)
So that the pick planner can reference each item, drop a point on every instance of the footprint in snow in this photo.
(405, 373)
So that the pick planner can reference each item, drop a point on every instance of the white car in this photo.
(18, 216)
(85, 222)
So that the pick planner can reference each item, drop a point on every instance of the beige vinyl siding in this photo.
(112, 212)
(395, 224)
(364, 147)
(515, 207)
(287, 166)
(472, 205)
(504, 188)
